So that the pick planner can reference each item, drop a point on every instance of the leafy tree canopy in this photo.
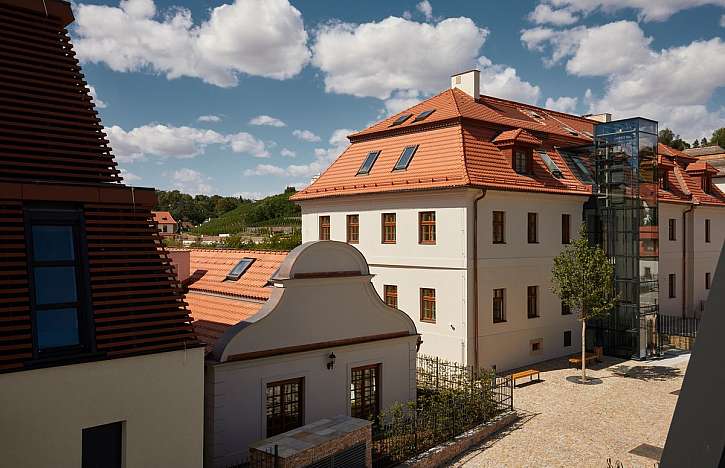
(669, 138)
(718, 137)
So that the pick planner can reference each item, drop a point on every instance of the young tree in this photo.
(583, 278)
(703, 142)
(718, 137)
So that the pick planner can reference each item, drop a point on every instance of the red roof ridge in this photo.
(202, 249)
(683, 183)
(531, 106)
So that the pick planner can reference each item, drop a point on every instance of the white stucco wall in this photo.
(236, 391)
(159, 398)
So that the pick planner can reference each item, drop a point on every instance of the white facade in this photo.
(158, 398)
(323, 303)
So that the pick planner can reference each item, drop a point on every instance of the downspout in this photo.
(684, 258)
(475, 278)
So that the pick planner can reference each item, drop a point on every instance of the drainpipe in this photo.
(684, 257)
(475, 278)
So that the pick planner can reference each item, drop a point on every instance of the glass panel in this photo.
(57, 327)
(401, 119)
(55, 285)
(423, 115)
(53, 243)
(240, 268)
(367, 165)
(405, 157)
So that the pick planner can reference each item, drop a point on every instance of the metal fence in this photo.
(452, 399)
(677, 326)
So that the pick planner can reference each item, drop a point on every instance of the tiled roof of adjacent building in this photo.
(704, 151)
(163, 217)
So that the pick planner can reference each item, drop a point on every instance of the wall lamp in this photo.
(331, 361)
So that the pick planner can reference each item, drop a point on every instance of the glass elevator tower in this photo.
(626, 198)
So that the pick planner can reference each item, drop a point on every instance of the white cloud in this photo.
(267, 120)
(306, 135)
(323, 158)
(255, 37)
(375, 59)
(401, 100)
(287, 153)
(502, 81)
(253, 195)
(564, 104)
(647, 10)
(190, 181)
(425, 8)
(167, 141)
(98, 102)
(129, 177)
(543, 14)
(722, 21)
(209, 118)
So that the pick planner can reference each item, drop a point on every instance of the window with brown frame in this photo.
(565, 229)
(365, 392)
(707, 280)
(707, 230)
(285, 406)
(427, 227)
(672, 286)
(567, 338)
(353, 229)
(521, 160)
(533, 228)
(390, 292)
(532, 302)
(427, 305)
(672, 229)
(499, 305)
(565, 309)
(324, 233)
(389, 228)
(498, 227)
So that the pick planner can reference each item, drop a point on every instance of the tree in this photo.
(669, 138)
(718, 137)
(583, 278)
(703, 142)
(695, 144)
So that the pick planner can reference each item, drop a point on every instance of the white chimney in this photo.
(604, 118)
(468, 82)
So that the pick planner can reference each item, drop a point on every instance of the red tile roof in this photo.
(212, 315)
(163, 217)
(515, 136)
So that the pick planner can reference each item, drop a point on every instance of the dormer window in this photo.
(522, 157)
(665, 182)
(405, 157)
(239, 269)
(706, 183)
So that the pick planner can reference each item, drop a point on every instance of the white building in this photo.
(322, 344)
(461, 204)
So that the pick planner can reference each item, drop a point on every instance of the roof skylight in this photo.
(551, 165)
(400, 119)
(574, 162)
(367, 165)
(239, 269)
(423, 115)
(405, 157)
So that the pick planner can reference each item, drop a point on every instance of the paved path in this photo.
(565, 424)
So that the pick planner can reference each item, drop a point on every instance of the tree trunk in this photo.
(584, 351)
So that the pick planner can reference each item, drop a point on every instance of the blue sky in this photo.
(245, 97)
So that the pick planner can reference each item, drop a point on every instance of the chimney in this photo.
(604, 117)
(181, 260)
(468, 82)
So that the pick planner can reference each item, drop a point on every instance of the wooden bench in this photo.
(527, 373)
(576, 359)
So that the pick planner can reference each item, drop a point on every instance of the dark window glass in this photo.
(499, 305)
(427, 305)
(521, 161)
(353, 229)
(672, 228)
(405, 157)
(707, 280)
(367, 165)
(567, 338)
(427, 227)
(285, 405)
(565, 229)
(55, 284)
(498, 227)
(57, 327)
(400, 119)
(565, 309)
(533, 228)
(551, 165)
(324, 228)
(672, 286)
(423, 115)
(240, 268)
(53, 243)
(391, 295)
(102, 446)
(389, 228)
(532, 306)
(707, 230)
(364, 392)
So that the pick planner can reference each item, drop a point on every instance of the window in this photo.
(353, 229)
(427, 305)
(391, 295)
(427, 227)
(565, 229)
(533, 228)
(565, 309)
(672, 283)
(532, 309)
(102, 446)
(400, 120)
(364, 392)
(59, 292)
(707, 230)
(537, 345)
(324, 228)
(239, 269)
(672, 227)
(285, 406)
(665, 182)
(367, 165)
(521, 161)
(498, 227)
(499, 305)
(706, 183)
(567, 338)
(389, 228)
(707, 280)
(405, 157)
(551, 165)
(423, 115)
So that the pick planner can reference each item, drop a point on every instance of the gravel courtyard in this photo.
(565, 424)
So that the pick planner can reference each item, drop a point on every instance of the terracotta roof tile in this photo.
(214, 314)
(518, 135)
(163, 217)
